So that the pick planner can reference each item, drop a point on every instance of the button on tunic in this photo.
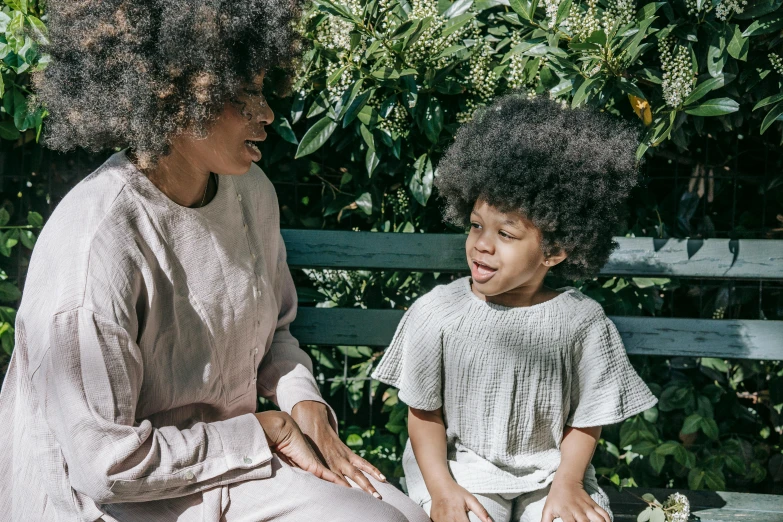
(145, 334)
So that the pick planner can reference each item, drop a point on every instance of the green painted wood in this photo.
(758, 340)
(709, 506)
(642, 257)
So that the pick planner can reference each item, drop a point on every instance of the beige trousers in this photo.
(289, 495)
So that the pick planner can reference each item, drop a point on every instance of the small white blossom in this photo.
(677, 72)
(777, 62)
(677, 508)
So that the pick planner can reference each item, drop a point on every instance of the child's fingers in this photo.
(548, 515)
(477, 509)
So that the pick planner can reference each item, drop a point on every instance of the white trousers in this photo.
(289, 495)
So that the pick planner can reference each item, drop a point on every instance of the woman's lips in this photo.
(481, 273)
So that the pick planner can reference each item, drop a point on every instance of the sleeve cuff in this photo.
(297, 386)
(244, 443)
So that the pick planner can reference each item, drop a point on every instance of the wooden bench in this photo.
(638, 257)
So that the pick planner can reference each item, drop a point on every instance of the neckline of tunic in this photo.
(564, 291)
(150, 192)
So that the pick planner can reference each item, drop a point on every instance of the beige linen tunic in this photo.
(145, 334)
(509, 381)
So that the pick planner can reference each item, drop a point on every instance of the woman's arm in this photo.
(567, 497)
(450, 502)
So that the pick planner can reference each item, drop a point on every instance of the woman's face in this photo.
(229, 147)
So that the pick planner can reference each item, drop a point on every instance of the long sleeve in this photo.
(88, 385)
(285, 375)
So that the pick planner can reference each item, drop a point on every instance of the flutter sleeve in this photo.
(413, 361)
(605, 388)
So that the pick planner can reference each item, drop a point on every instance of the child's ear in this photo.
(555, 259)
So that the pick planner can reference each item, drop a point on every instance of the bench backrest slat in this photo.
(740, 339)
(641, 257)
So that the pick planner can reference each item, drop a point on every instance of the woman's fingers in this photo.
(368, 468)
(322, 472)
(477, 509)
(357, 476)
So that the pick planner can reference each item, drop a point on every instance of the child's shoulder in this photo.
(442, 301)
(580, 308)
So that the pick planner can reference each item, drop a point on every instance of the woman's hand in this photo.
(452, 503)
(313, 419)
(569, 501)
(285, 439)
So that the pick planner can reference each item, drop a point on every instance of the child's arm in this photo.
(567, 497)
(450, 501)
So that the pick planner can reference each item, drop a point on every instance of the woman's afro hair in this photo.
(135, 73)
(569, 171)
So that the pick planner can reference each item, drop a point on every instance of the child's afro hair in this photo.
(569, 171)
(135, 73)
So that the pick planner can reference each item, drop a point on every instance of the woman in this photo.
(158, 300)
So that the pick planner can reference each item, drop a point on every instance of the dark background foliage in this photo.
(382, 91)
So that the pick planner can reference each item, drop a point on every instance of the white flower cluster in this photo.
(551, 11)
(620, 12)
(777, 62)
(723, 9)
(728, 7)
(396, 123)
(335, 34)
(677, 72)
(399, 202)
(431, 43)
(583, 23)
(481, 80)
(515, 72)
(677, 507)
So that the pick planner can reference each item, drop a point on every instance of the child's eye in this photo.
(475, 225)
(506, 235)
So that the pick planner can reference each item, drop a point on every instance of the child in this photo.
(509, 382)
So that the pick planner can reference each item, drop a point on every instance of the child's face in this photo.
(504, 251)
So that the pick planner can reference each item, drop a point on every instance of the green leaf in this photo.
(714, 480)
(364, 202)
(710, 428)
(704, 87)
(421, 182)
(385, 73)
(647, 10)
(668, 448)
(771, 116)
(456, 23)
(34, 219)
(657, 461)
(562, 11)
(27, 238)
(716, 54)
(582, 92)
(316, 136)
(433, 120)
(371, 161)
(692, 424)
(405, 29)
(524, 9)
(739, 45)
(657, 515)
(644, 516)
(714, 107)
(9, 292)
(354, 441)
(17, 5)
(283, 128)
(695, 478)
(769, 100)
(356, 106)
(766, 24)
(457, 8)
(4, 217)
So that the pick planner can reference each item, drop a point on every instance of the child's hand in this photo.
(453, 503)
(569, 501)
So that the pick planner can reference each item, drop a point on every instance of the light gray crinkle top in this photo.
(146, 332)
(509, 381)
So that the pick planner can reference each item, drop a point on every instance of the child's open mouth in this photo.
(481, 273)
